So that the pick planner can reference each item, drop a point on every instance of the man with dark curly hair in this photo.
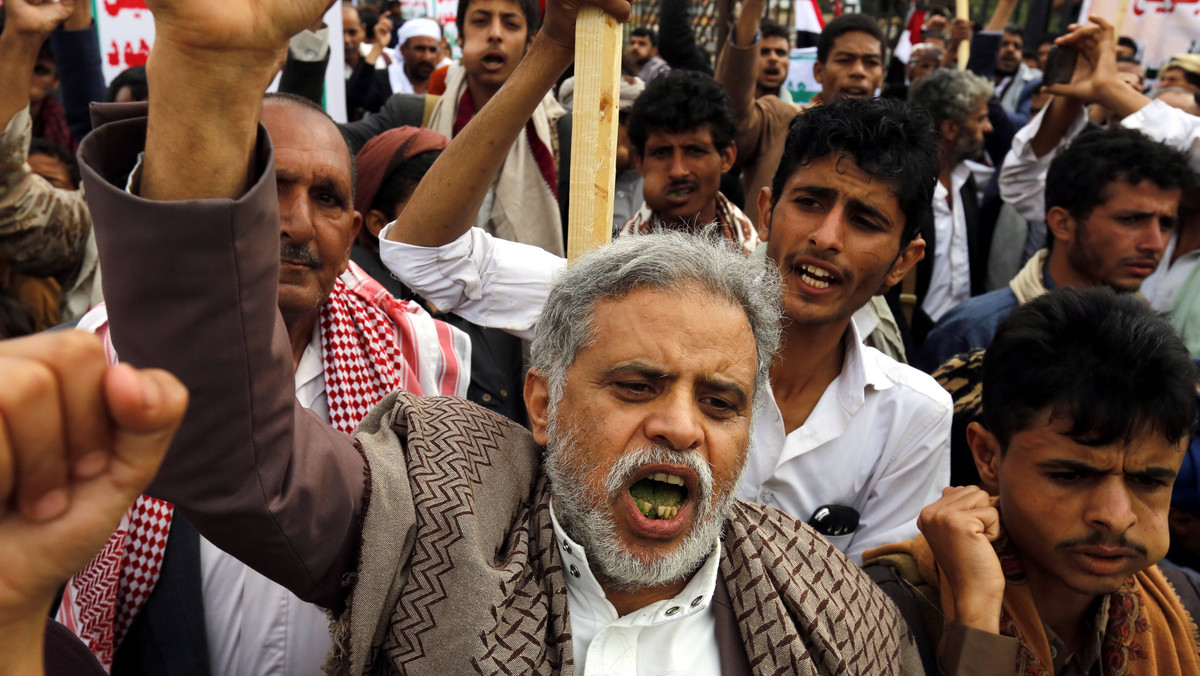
(682, 132)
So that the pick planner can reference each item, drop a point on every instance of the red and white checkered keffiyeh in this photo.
(371, 344)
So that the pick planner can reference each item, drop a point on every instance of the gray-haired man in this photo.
(436, 535)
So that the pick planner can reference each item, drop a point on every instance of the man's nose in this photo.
(675, 422)
(1110, 506)
(295, 219)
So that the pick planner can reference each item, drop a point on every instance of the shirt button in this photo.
(504, 394)
(696, 601)
(673, 610)
(574, 571)
(567, 547)
(486, 397)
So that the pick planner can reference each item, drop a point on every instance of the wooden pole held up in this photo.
(594, 131)
(963, 11)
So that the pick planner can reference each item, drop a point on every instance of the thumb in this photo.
(146, 407)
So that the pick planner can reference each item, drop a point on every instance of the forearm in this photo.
(77, 54)
(202, 127)
(445, 203)
(1001, 15)
(1121, 98)
(746, 32)
(1060, 115)
(22, 636)
(18, 54)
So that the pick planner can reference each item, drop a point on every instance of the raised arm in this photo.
(192, 270)
(43, 229)
(736, 71)
(76, 48)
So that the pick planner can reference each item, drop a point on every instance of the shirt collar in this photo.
(858, 371)
(311, 364)
(694, 599)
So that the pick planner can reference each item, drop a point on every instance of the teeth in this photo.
(815, 277)
(667, 478)
(662, 511)
(676, 480)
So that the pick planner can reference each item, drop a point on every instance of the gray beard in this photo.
(589, 520)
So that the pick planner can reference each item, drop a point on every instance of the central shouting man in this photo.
(445, 539)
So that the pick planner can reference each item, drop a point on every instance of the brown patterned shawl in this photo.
(458, 570)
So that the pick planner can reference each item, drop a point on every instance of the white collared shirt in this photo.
(254, 626)
(673, 636)
(878, 440)
(950, 282)
(1160, 288)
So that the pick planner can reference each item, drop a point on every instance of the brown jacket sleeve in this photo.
(735, 72)
(191, 288)
(970, 652)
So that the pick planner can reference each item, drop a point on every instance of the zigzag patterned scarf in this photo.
(361, 326)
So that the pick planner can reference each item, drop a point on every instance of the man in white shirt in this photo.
(420, 45)
(340, 323)
(955, 265)
(847, 426)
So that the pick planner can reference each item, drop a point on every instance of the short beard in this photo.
(588, 519)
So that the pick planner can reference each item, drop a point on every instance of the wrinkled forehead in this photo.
(302, 135)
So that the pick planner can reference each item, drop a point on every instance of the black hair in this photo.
(1016, 29)
(41, 146)
(530, 8)
(45, 52)
(1191, 78)
(772, 29)
(1104, 363)
(398, 185)
(16, 317)
(643, 32)
(847, 23)
(135, 79)
(888, 139)
(1078, 178)
(1126, 41)
(680, 101)
(285, 97)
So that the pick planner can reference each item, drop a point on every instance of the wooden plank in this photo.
(963, 11)
(594, 131)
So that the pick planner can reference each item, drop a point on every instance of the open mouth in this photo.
(681, 191)
(659, 496)
(493, 60)
(815, 277)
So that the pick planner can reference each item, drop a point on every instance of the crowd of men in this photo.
(896, 381)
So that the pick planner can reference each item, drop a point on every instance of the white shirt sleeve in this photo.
(1023, 178)
(485, 280)
(1170, 126)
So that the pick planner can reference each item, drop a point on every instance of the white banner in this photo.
(126, 31)
(1162, 28)
(800, 82)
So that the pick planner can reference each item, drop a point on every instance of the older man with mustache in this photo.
(434, 534)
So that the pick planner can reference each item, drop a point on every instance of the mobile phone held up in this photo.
(1060, 66)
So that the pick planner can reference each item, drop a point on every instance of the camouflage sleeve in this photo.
(42, 228)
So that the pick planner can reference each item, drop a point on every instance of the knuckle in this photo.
(27, 380)
(75, 348)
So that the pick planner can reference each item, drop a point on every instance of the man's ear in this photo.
(375, 222)
(950, 130)
(354, 228)
(537, 404)
(912, 254)
(728, 156)
(764, 213)
(819, 72)
(985, 448)
(1061, 225)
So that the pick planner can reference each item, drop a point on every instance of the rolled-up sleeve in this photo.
(1023, 176)
(485, 280)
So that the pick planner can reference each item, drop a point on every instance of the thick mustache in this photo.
(617, 480)
(681, 185)
(1098, 539)
(298, 254)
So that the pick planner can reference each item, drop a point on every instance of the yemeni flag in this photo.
(809, 23)
(911, 35)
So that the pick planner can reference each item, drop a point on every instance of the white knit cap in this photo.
(419, 28)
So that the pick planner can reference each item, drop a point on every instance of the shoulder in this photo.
(909, 383)
(788, 542)
(973, 322)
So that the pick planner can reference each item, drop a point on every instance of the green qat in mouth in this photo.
(649, 494)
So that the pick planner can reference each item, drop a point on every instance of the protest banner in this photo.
(126, 31)
(1162, 28)
(800, 82)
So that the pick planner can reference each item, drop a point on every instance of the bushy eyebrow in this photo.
(1080, 467)
(724, 386)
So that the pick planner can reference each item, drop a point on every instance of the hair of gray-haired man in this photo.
(661, 261)
(950, 94)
